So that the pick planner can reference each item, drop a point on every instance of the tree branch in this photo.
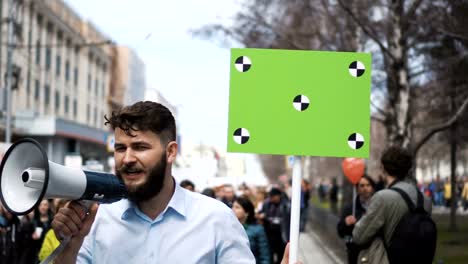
(412, 10)
(262, 20)
(441, 127)
(366, 30)
(378, 119)
(452, 34)
(416, 74)
(380, 110)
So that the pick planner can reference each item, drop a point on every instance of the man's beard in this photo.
(153, 184)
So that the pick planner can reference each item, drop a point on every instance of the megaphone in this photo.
(27, 177)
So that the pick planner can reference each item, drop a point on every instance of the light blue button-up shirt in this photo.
(192, 229)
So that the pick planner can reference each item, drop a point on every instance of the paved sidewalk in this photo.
(312, 251)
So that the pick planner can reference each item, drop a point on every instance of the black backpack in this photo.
(415, 236)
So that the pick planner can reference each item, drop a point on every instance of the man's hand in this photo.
(285, 259)
(350, 220)
(73, 221)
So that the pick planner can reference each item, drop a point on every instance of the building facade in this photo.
(129, 77)
(63, 90)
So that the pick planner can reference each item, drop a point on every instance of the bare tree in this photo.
(397, 32)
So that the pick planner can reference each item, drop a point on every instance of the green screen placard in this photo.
(305, 103)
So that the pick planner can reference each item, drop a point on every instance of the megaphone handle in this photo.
(86, 204)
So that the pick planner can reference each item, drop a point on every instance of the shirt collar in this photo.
(177, 203)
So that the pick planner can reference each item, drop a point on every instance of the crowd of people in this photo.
(28, 239)
(263, 212)
(440, 192)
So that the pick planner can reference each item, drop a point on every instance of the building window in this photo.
(67, 70)
(57, 100)
(50, 27)
(58, 65)
(47, 94)
(88, 114)
(67, 102)
(96, 86)
(95, 116)
(103, 90)
(28, 89)
(39, 19)
(75, 76)
(89, 82)
(36, 89)
(48, 58)
(75, 108)
(38, 53)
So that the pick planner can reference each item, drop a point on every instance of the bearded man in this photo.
(159, 222)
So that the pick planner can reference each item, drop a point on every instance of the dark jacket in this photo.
(10, 239)
(346, 232)
(28, 245)
(282, 211)
(258, 243)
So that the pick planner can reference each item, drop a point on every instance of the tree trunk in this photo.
(398, 123)
(453, 168)
(453, 180)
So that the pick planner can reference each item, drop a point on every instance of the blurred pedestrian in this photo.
(380, 185)
(28, 241)
(9, 237)
(43, 217)
(365, 189)
(397, 227)
(464, 195)
(229, 195)
(244, 211)
(305, 197)
(209, 192)
(260, 198)
(219, 192)
(322, 191)
(333, 196)
(187, 184)
(50, 240)
(276, 217)
(437, 187)
(448, 192)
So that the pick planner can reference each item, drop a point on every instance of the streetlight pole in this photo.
(9, 67)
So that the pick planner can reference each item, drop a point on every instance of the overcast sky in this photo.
(191, 73)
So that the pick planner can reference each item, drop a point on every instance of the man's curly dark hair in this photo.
(397, 162)
(144, 116)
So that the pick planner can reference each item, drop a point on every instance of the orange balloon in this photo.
(353, 169)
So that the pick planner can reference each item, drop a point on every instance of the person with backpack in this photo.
(397, 227)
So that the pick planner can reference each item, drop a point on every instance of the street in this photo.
(312, 251)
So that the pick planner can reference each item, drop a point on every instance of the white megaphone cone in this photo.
(27, 177)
